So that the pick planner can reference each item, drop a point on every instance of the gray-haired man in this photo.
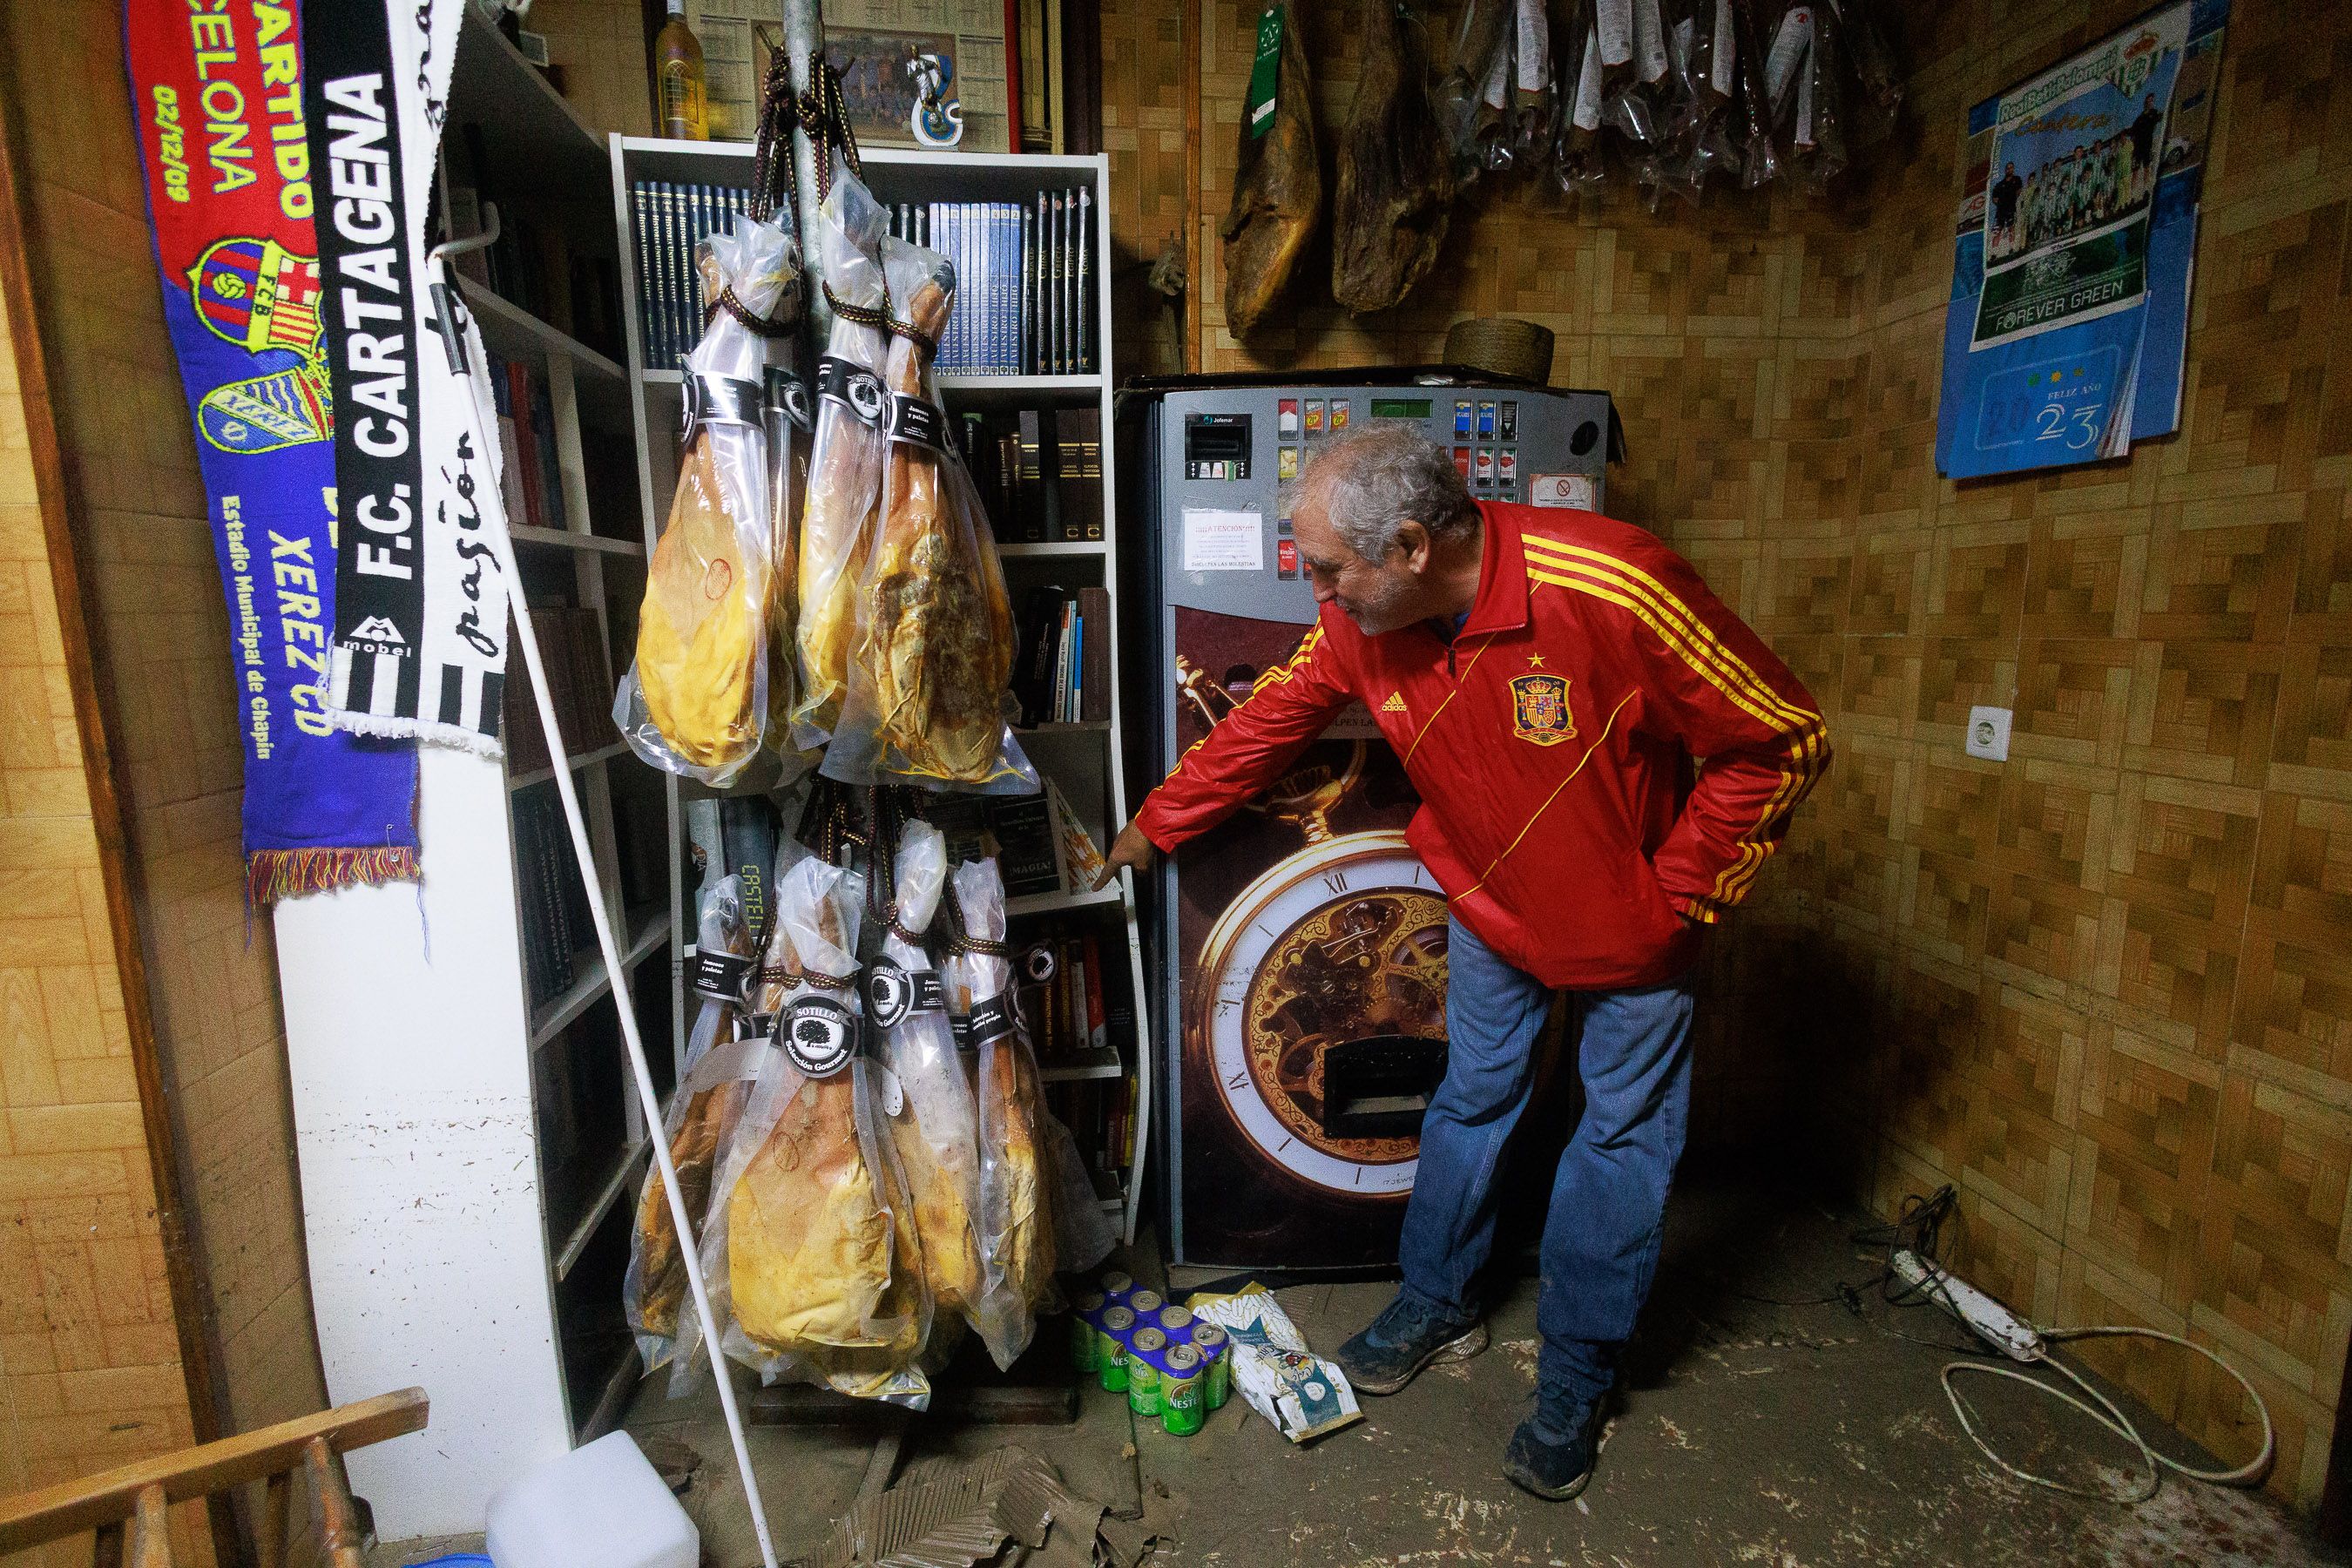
(1546, 677)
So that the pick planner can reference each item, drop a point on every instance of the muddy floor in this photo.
(1751, 1430)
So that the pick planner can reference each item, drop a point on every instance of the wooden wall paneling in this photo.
(102, 1265)
(2103, 987)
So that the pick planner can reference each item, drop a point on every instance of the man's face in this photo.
(1378, 596)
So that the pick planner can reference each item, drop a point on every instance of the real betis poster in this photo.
(2064, 339)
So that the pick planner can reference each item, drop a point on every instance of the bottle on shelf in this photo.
(678, 80)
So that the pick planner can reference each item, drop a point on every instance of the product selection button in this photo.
(1462, 419)
(1506, 465)
(1338, 415)
(1285, 419)
(1286, 558)
(1510, 426)
(1461, 456)
(1315, 417)
(1485, 421)
(1485, 476)
(1285, 463)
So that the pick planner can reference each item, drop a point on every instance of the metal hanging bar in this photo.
(803, 47)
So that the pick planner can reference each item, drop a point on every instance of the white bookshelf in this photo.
(1083, 759)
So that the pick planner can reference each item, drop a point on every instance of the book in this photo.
(1098, 1017)
(1093, 611)
(551, 470)
(1077, 472)
(1039, 502)
(1028, 852)
(1083, 237)
(1061, 698)
(526, 475)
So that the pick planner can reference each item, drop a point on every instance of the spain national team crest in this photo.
(1539, 708)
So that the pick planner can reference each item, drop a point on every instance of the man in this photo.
(1547, 676)
(2005, 192)
(2142, 131)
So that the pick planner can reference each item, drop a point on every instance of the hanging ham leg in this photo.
(1396, 183)
(1277, 193)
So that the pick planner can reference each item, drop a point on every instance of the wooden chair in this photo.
(125, 1506)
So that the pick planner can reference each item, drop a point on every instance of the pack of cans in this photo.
(1170, 1364)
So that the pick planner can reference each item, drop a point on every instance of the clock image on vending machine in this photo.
(1314, 1012)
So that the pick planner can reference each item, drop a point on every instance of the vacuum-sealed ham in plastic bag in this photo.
(719, 1071)
(1038, 1211)
(695, 702)
(824, 1282)
(930, 670)
(933, 1122)
(844, 459)
(790, 411)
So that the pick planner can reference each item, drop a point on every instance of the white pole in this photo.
(625, 1003)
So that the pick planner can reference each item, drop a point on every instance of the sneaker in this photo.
(1406, 1336)
(1547, 1464)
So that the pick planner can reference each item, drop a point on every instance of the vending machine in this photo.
(1301, 945)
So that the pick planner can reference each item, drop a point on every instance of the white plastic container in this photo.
(603, 1506)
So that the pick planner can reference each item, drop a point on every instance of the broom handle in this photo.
(625, 1003)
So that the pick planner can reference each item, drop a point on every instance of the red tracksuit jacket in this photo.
(1552, 743)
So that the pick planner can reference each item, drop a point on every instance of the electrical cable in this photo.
(2113, 1420)
(1919, 1228)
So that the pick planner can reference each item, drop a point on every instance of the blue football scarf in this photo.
(230, 194)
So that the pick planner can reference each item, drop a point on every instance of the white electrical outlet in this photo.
(1989, 734)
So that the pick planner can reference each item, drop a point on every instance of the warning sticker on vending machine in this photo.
(1561, 489)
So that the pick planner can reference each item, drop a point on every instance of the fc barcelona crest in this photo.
(1540, 709)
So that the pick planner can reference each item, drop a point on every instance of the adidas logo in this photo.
(1395, 704)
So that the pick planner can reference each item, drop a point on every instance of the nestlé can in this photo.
(1144, 1350)
(1117, 1322)
(1086, 1339)
(1182, 1398)
(1216, 1352)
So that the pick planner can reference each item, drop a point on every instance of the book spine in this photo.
(975, 253)
(1070, 285)
(526, 442)
(673, 231)
(960, 221)
(1097, 1015)
(1008, 267)
(551, 469)
(1094, 605)
(984, 213)
(638, 202)
(936, 222)
(1052, 289)
(656, 266)
(1062, 660)
(1082, 292)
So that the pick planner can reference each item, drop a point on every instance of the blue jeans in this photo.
(1609, 1198)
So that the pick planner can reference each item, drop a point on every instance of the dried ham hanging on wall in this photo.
(1388, 219)
(1278, 185)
